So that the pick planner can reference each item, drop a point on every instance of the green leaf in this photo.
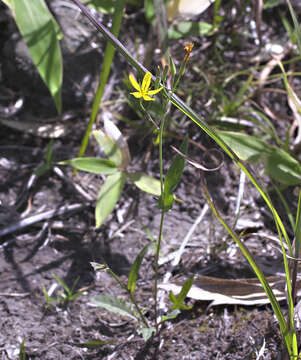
(282, 167)
(93, 165)
(22, 352)
(279, 165)
(172, 179)
(246, 147)
(171, 315)
(135, 269)
(109, 195)
(145, 183)
(187, 29)
(109, 146)
(93, 344)
(146, 332)
(149, 10)
(115, 305)
(62, 283)
(104, 6)
(178, 302)
(270, 3)
(41, 34)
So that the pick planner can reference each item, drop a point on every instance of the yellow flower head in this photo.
(143, 90)
(188, 48)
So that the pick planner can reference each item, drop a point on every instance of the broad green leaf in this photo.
(246, 147)
(109, 195)
(115, 134)
(282, 167)
(172, 179)
(41, 34)
(135, 269)
(146, 332)
(109, 146)
(145, 183)
(115, 305)
(93, 165)
(187, 29)
(279, 165)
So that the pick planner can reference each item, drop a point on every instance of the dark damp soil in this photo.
(64, 243)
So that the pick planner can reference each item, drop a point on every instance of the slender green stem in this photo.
(162, 219)
(143, 318)
(132, 298)
(287, 336)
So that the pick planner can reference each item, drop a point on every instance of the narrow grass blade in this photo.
(177, 301)
(62, 283)
(93, 344)
(109, 195)
(275, 305)
(104, 73)
(296, 25)
(135, 270)
(22, 351)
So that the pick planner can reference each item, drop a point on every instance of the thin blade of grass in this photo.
(135, 269)
(275, 305)
(296, 25)
(104, 73)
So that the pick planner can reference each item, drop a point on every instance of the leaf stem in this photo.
(161, 220)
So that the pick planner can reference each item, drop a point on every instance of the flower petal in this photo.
(146, 81)
(134, 83)
(148, 98)
(153, 92)
(137, 94)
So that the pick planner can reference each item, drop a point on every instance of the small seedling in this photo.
(64, 297)
(115, 167)
(22, 352)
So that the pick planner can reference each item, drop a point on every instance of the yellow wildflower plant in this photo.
(143, 90)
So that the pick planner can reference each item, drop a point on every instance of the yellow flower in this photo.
(143, 90)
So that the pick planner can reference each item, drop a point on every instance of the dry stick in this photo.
(23, 223)
(76, 187)
(110, 37)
